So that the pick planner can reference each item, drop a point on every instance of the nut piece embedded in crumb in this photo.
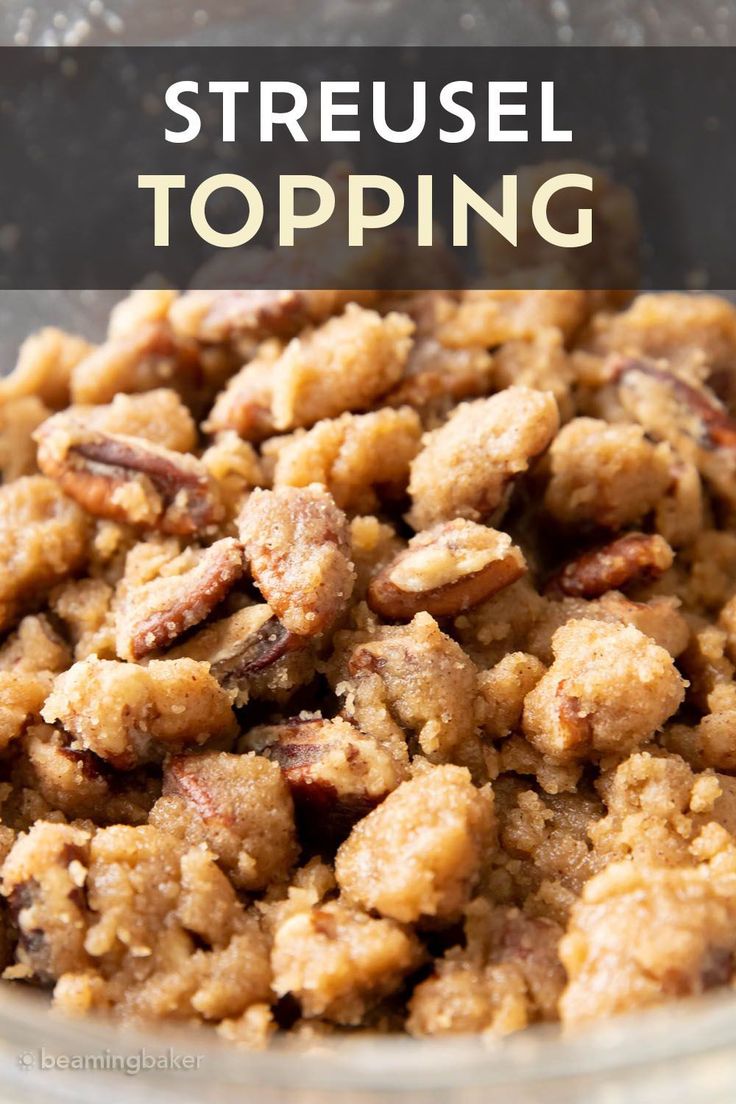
(44, 537)
(335, 772)
(419, 853)
(412, 681)
(465, 466)
(251, 654)
(338, 961)
(128, 714)
(608, 691)
(611, 475)
(445, 570)
(633, 558)
(43, 879)
(360, 458)
(297, 542)
(239, 805)
(128, 479)
(185, 591)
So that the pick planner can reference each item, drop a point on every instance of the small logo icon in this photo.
(26, 1060)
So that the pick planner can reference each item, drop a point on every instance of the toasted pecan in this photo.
(336, 773)
(298, 544)
(445, 570)
(718, 428)
(154, 614)
(128, 479)
(635, 557)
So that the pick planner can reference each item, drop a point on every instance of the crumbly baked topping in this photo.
(368, 659)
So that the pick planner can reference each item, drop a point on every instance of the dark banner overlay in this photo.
(359, 167)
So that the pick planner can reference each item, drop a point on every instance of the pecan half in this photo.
(336, 773)
(635, 557)
(445, 570)
(251, 652)
(128, 479)
(715, 427)
(298, 545)
(153, 615)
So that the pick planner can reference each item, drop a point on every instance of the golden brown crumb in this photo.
(465, 466)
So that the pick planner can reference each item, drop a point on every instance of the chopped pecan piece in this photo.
(690, 418)
(182, 594)
(445, 570)
(129, 715)
(635, 557)
(298, 544)
(44, 537)
(696, 410)
(251, 653)
(466, 465)
(128, 479)
(335, 772)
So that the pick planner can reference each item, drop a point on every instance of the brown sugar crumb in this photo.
(245, 404)
(412, 681)
(238, 805)
(572, 712)
(419, 853)
(338, 961)
(183, 591)
(498, 984)
(611, 475)
(503, 689)
(335, 772)
(129, 715)
(446, 569)
(43, 538)
(466, 465)
(127, 479)
(643, 934)
(297, 544)
(159, 417)
(359, 458)
(18, 420)
(44, 368)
